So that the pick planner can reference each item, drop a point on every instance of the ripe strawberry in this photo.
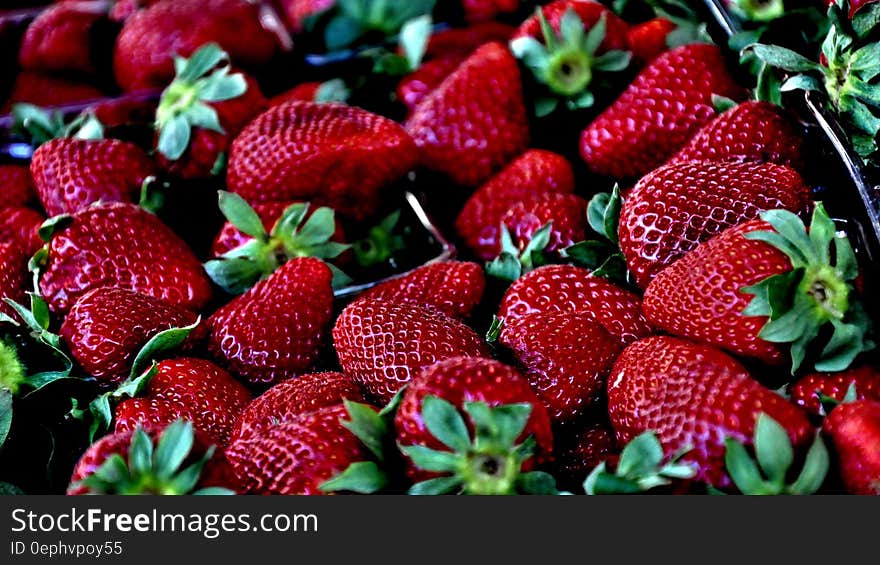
(48, 91)
(658, 113)
(16, 186)
(152, 37)
(289, 399)
(430, 424)
(854, 429)
(13, 276)
(274, 331)
(567, 214)
(693, 396)
(298, 11)
(329, 154)
(676, 207)
(105, 245)
(648, 40)
(578, 449)
(475, 122)
(453, 288)
(124, 9)
(60, 38)
(189, 389)
(533, 173)
(485, 10)
(751, 131)
(417, 85)
(20, 226)
(569, 289)
(741, 292)
(808, 391)
(382, 345)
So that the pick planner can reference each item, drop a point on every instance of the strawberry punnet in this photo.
(854, 429)
(814, 389)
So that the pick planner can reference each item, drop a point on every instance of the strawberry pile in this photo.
(218, 283)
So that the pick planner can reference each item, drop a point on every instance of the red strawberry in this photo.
(451, 287)
(676, 207)
(289, 399)
(534, 173)
(484, 10)
(124, 9)
(298, 11)
(475, 122)
(693, 396)
(854, 429)
(274, 330)
(488, 465)
(807, 391)
(13, 276)
(417, 85)
(189, 389)
(72, 173)
(305, 92)
(48, 91)
(751, 131)
(330, 154)
(151, 37)
(60, 38)
(382, 345)
(647, 40)
(579, 449)
(568, 289)
(659, 112)
(16, 186)
(463, 41)
(20, 226)
(566, 212)
(121, 245)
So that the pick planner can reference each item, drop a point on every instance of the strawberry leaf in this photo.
(5, 414)
(162, 342)
(363, 477)
(241, 215)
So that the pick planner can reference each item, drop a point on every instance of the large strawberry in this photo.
(676, 207)
(329, 154)
(814, 389)
(16, 186)
(766, 288)
(274, 330)
(473, 426)
(382, 345)
(13, 276)
(854, 429)
(659, 112)
(475, 122)
(20, 226)
(61, 38)
(123, 246)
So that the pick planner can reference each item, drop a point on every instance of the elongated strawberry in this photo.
(48, 91)
(464, 425)
(20, 226)
(61, 38)
(676, 207)
(854, 429)
(658, 113)
(475, 122)
(13, 276)
(648, 40)
(105, 245)
(274, 330)
(382, 345)
(765, 289)
(811, 391)
(72, 173)
(328, 154)
(16, 186)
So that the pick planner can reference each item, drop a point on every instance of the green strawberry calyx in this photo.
(513, 262)
(294, 235)
(40, 125)
(12, 371)
(758, 10)
(150, 468)
(602, 255)
(381, 243)
(641, 467)
(201, 80)
(816, 293)
(346, 22)
(775, 455)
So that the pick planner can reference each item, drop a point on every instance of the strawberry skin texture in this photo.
(484, 10)
(274, 330)
(854, 429)
(453, 288)
(475, 122)
(589, 13)
(693, 395)
(13, 276)
(658, 113)
(16, 186)
(70, 173)
(533, 173)
(297, 456)
(330, 154)
(288, 399)
(190, 389)
(700, 297)
(647, 40)
(805, 393)
(752, 131)
(382, 345)
(676, 207)
(121, 245)
(20, 226)
(463, 379)
(48, 90)
(59, 38)
(416, 86)
(569, 289)
(567, 212)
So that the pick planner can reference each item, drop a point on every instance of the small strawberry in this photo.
(48, 91)
(813, 390)
(485, 10)
(21, 226)
(13, 276)
(274, 331)
(61, 38)
(382, 345)
(648, 40)
(493, 450)
(16, 186)
(854, 429)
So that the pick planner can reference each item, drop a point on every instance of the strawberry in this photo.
(485, 10)
(751, 131)
(274, 331)
(20, 226)
(104, 245)
(329, 154)
(811, 391)
(152, 37)
(452, 287)
(288, 399)
(382, 345)
(333, 90)
(417, 85)
(484, 454)
(693, 396)
(648, 40)
(48, 91)
(16, 186)
(124, 9)
(854, 429)
(567, 214)
(658, 113)
(13, 276)
(765, 289)
(578, 449)
(588, 11)
(297, 12)
(533, 173)
(60, 38)
(475, 122)
(189, 389)
(676, 207)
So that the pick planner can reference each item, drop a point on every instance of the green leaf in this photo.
(531, 52)
(613, 61)
(641, 456)
(595, 36)
(505, 267)
(174, 445)
(431, 460)
(54, 225)
(783, 58)
(815, 469)
(445, 423)
(333, 90)
(235, 276)
(213, 491)
(200, 62)
(536, 482)
(220, 87)
(319, 228)
(801, 82)
(494, 331)
(140, 452)
(241, 215)
(7, 489)
(440, 485)
(773, 449)
(174, 138)
(368, 426)
(742, 469)
(161, 342)
(363, 477)
(5, 414)
(414, 38)
(341, 32)
(204, 116)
